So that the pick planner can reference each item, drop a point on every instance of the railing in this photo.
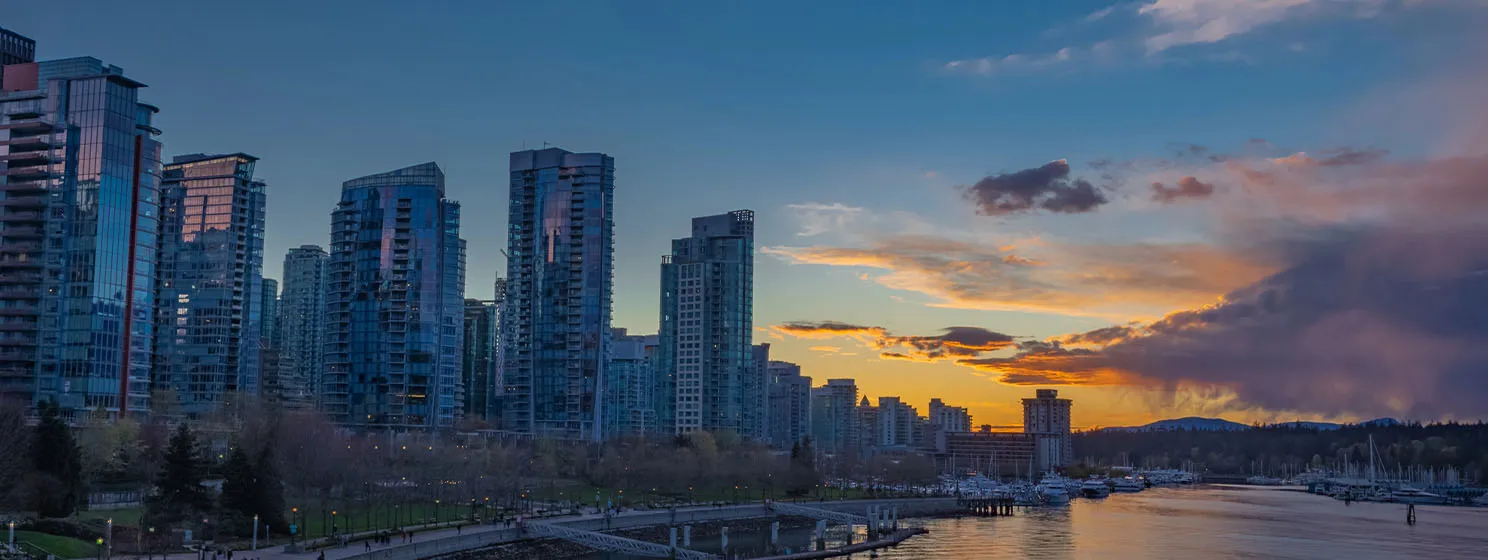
(613, 543)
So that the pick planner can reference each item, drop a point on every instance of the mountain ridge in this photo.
(1199, 423)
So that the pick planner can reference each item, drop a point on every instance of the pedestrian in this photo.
(229, 554)
(368, 544)
(457, 529)
(322, 555)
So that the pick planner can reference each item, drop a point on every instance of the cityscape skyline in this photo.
(843, 301)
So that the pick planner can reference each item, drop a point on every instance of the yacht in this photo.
(1481, 501)
(1095, 488)
(1408, 495)
(1259, 480)
(1128, 484)
(1052, 490)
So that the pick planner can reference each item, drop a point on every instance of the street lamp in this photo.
(109, 550)
(12, 535)
(255, 531)
(333, 522)
(294, 516)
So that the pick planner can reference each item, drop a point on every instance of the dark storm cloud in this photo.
(1370, 323)
(1189, 187)
(952, 342)
(1047, 187)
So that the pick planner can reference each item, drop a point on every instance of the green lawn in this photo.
(63, 547)
(125, 517)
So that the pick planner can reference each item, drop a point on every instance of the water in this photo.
(1205, 522)
(1208, 522)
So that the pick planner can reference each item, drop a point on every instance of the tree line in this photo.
(1289, 449)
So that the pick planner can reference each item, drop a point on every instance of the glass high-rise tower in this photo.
(707, 317)
(79, 222)
(394, 303)
(478, 363)
(302, 309)
(560, 247)
(209, 291)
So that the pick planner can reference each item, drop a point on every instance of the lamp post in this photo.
(12, 535)
(294, 517)
(255, 532)
(333, 522)
(436, 511)
(109, 545)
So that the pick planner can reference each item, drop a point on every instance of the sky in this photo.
(1264, 210)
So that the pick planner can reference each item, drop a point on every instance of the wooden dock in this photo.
(989, 507)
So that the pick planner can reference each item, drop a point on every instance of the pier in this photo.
(988, 507)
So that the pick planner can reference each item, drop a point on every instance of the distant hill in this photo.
(1196, 423)
(1189, 423)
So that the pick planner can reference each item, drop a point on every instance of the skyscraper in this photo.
(755, 422)
(14, 49)
(897, 423)
(560, 248)
(947, 418)
(790, 405)
(302, 312)
(268, 342)
(394, 302)
(628, 378)
(1046, 418)
(208, 293)
(78, 236)
(478, 365)
(706, 323)
(834, 416)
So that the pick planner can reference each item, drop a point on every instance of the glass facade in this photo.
(560, 248)
(628, 410)
(478, 366)
(301, 338)
(79, 227)
(209, 291)
(706, 324)
(394, 303)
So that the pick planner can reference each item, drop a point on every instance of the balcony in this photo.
(23, 202)
(13, 232)
(23, 218)
(28, 173)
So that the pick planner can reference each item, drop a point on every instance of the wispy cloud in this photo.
(1017, 62)
(817, 218)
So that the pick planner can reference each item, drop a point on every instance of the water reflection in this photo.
(1208, 522)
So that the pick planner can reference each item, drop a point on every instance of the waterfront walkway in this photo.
(439, 542)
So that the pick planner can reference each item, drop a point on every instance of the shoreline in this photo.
(893, 539)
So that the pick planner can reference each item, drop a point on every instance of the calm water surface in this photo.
(1224, 522)
(1208, 522)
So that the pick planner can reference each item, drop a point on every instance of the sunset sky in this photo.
(1255, 209)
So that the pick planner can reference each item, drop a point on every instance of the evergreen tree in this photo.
(178, 487)
(58, 463)
(239, 483)
(269, 490)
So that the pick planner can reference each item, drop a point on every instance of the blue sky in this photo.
(709, 107)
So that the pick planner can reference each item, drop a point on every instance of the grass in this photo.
(63, 547)
(123, 517)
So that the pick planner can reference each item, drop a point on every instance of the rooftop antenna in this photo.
(546, 144)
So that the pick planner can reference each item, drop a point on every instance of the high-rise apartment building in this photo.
(790, 405)
(706, 321)
(869, 429)
(301, 328)
(834, 416)
(268, 330)
(394, 303)
(755, 422)
(1046, 418)
(14, 49)
(948, 418)
(268, 342)
(560, 253)
(78, 236)
(496, 413)
(898, 423)
(628, 379)
(209, 288)
(478, 362)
